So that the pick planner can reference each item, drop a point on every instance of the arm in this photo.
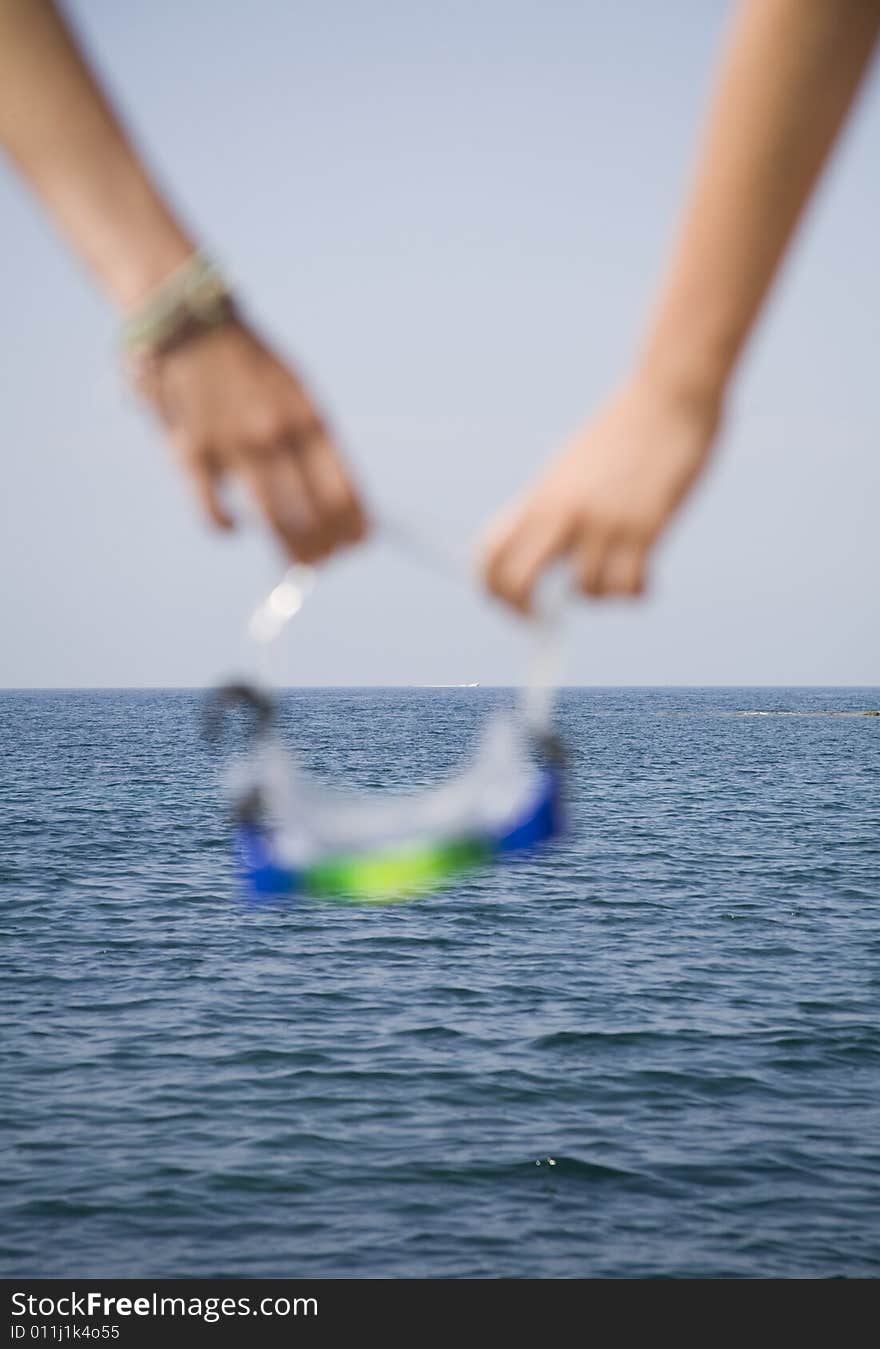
(788, 78)
(229, 405)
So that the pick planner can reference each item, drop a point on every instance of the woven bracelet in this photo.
(194, 299)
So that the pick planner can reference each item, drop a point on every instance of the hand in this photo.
(232, 409)
(606, 498)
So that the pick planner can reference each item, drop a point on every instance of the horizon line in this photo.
(205, 688)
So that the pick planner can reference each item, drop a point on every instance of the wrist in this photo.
(690, 351)
(192, 302)
(694, 380)
(133, 278)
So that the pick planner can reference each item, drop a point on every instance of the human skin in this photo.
(230, 406)
(789, 74)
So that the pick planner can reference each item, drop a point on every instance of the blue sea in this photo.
(653, 1050)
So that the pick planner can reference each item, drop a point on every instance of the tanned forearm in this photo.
(789, 74)
(59, 128)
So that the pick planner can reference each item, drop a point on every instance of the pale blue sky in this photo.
(454, 215)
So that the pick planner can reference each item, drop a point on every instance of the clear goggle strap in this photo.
(286, 599)
(273, 613)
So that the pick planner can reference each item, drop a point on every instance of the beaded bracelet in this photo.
(194, 299)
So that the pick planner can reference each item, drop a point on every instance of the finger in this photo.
(338, 509)
(512, 571)
(208, 478)
(300, 518)
(623, 570)
(589, 561)
(278, 487)
(498, 541)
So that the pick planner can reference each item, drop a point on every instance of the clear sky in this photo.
(453, 214)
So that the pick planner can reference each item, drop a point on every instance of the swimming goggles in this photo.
(296, 835)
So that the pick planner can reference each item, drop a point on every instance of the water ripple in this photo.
(654, 1051)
